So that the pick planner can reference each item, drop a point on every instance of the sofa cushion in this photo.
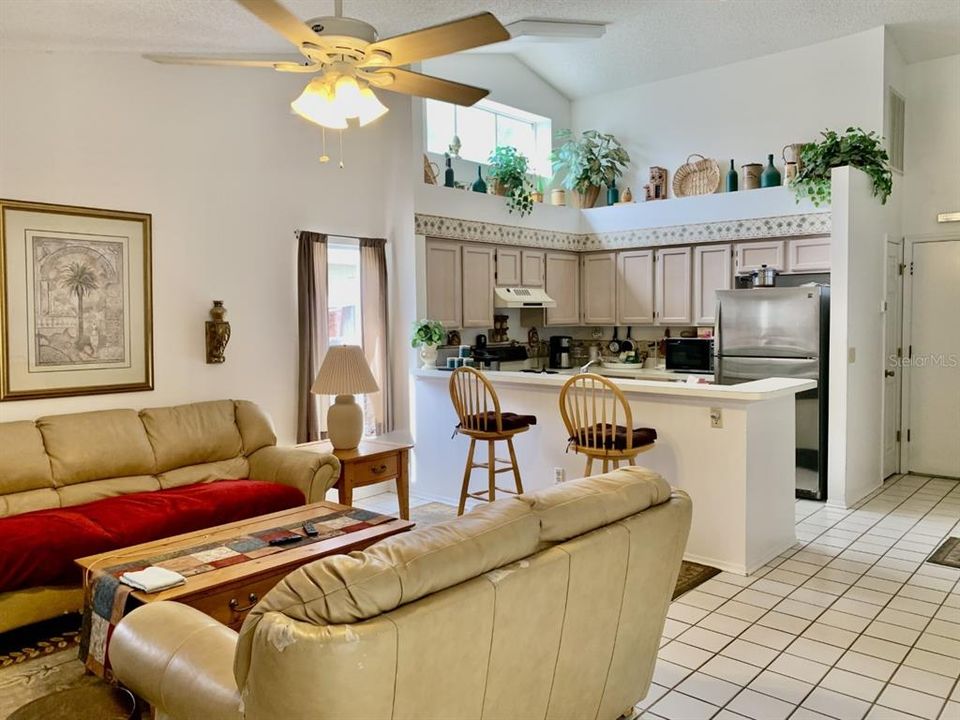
(77, 445)
(38, 548)
(255, 426)
(192, 434)
(580, 506)
(24, 464)
(231, 469)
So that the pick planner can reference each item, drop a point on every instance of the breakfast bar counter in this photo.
(739, 470)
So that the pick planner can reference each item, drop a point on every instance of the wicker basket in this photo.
(696, 178)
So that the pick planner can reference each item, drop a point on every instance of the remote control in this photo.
(310, 529)
(285, 540)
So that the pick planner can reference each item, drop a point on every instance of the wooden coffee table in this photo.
(227, 594)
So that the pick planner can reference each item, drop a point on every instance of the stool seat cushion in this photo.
(511, 421)
(614, 438)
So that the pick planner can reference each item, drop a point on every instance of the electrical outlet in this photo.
(559, 475)
(716, 417)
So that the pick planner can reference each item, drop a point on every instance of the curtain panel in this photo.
(375, 321)
(313, 332)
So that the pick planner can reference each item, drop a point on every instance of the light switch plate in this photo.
(716, 417)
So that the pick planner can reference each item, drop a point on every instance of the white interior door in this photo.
(934, 359)
(892, 325)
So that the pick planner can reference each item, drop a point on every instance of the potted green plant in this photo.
(855, 147)
(588, 162)
(427, 335)
(508, 168)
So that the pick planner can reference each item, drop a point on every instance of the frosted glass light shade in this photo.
(316, 104)
(331, 104)
(344, 371)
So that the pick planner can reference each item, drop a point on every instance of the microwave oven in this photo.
(692, 355)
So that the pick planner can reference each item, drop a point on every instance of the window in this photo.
(486, 125)
(343, 292)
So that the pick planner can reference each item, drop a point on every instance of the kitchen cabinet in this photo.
(509, 267)
(598, 283)
(635, 287)
(749, 256)
(711, 272)
(444, 289)
(531, 268)
(673, 305)
(808, 255)
(562, 278)
(479, 279)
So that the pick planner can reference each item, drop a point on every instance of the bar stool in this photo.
(478, 411)
(600, 423)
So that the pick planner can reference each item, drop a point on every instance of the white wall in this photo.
(745, 110)
(228, 175)
(932, 145)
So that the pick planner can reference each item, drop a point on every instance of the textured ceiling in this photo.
(646, 40)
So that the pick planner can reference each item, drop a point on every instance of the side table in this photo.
(374, 461)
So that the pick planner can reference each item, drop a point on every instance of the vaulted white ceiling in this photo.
(646, 40)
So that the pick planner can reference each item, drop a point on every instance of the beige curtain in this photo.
(374, 316)
(312, 322)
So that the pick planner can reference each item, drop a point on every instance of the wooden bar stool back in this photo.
(599, 422)
(478, 412)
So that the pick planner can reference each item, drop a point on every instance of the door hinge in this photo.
(911, 267)
(899, 352)
(909, 354)
(898, 436)
(901, 268)
(908, 435)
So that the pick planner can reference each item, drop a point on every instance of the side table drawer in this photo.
(367, 472)
(230, 605)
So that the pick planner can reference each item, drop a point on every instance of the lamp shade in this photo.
(344, 371)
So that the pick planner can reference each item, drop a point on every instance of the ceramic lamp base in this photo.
(345, 423)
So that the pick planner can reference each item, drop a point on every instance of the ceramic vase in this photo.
(751, 175)
(428, 356)
(770, 176)
(613, 194)
(558, 196)
(479, 185)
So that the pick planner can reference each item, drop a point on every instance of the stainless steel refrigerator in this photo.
(782, 332)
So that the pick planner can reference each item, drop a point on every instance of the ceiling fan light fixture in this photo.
(317, 103)
(330, 103)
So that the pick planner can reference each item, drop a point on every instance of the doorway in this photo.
(932, 362)
(892, 349)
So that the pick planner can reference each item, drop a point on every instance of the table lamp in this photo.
(344, 372)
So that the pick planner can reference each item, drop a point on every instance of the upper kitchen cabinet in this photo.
(562, 284)
(635, 287)
(479, 269)
(808, 255)
(673, 305)
(531, 268)
(509, 269)
(750, 256)
(599, 288)
(443, 271)
(711, 272)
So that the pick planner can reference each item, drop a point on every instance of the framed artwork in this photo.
(76, 314)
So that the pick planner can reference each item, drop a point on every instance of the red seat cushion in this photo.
(614, 438)
(38, 548)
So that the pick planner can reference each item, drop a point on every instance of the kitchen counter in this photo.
(739, 471)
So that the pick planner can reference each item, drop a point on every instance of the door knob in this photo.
(888, 373)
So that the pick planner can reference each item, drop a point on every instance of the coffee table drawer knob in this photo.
(235, 604)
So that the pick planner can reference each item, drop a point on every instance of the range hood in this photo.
(522, 297)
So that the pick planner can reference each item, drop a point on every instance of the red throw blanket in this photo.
(38, 548)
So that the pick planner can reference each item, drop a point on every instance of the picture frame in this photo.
(76, 301)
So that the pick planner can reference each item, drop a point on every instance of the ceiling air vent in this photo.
(896, 109)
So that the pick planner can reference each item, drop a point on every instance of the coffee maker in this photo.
(560, 351)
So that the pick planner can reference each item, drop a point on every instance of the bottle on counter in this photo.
(448, 174)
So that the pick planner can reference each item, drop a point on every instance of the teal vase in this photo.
(613, 194)
(732, 178)
(479, 185)
(770, 177)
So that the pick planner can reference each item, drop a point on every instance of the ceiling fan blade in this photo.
(451, 37)
(282, 20)
(413, 83)
(264, 61)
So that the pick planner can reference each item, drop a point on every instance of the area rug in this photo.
(947, 554)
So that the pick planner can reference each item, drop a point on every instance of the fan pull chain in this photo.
(324, 158)
(341, 148)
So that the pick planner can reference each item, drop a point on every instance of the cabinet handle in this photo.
(378, 469)
(235, 604)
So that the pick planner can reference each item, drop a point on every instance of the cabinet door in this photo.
(635, 283)
(808, 255)
(478, 283)
(598, 285)
(673, 287)
(711, 272)
(508, 267)
(443, 282)
(563, 286)
(751, 255)
(531, 268)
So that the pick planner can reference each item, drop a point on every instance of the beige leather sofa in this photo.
(62, 460)
(547, 605)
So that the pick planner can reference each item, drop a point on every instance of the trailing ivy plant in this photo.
(591, 160)
(508, 167)
(427, 332)
(857, 148)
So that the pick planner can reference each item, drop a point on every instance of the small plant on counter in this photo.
(857, 148)
(427, 333)
(508, 168)
(588, 162)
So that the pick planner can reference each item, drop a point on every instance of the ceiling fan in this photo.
(350, 60)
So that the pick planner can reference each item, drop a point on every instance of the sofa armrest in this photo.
(178, 660)
(311, 472)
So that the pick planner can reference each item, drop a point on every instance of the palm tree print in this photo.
(79, 279)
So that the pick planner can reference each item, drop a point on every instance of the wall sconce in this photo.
(218, 333)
